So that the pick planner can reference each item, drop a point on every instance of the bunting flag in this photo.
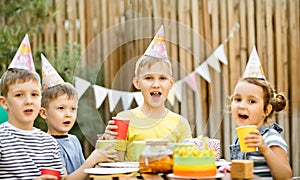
(190, 79)
(138, 98)
(177, 89)
(100, 95)
(203, 71)
(23, 57)
(220, 54)
(127, 99)
(81, 86)
(213, 62)
(115, 96)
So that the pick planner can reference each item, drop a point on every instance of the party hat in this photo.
(49, 74)
(23, 58)
(254, 68)
(157, 47)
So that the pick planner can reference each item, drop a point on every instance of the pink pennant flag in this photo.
(23, 57)
(190, 79)
(157, 47)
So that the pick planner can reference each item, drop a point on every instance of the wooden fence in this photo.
(114, 32)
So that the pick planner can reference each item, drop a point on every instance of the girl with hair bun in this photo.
(253, 101)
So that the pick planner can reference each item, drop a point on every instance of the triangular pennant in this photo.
(49, 74)
(100, 95)
(190, 79)
(203, 71)
(157, 47)
(214, 63)
(220, 54)
(81, 86)
(113, 97)
(171, 97)
(177, 89)
(127, 99)
(23, 57)
(138, 98)
(254, 68)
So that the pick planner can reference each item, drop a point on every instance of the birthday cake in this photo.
(194, 162)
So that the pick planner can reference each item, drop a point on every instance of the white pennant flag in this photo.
(113, 97)
(214, 63)
(203, 71)
(220, 54)
(171, 97)
(127, 99)
(177, 89)
(100, 95)
(138, 98)
(81, 86)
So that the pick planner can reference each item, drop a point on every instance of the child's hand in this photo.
(109, 133)
(255, 139)
(46, 177)
(105, 154)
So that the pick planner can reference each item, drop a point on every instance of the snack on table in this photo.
(194, 162)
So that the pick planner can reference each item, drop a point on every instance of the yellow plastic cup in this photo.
(243, 131)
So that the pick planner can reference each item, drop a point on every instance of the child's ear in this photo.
(3, 103)
(268, 109)
(171, 82)
(135, 82)
(43, 113)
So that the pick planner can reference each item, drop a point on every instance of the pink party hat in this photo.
(23, 58)
(157, 47)
(254, 68)
(49, 74)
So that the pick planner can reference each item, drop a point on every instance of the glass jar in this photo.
(156, 157)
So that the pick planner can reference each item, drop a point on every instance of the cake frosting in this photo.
(194, 162)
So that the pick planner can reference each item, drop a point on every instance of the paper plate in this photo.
(222, 163)
(110, 170)
(218, 175)
(120, 164)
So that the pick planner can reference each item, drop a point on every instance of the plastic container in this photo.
(156, 157)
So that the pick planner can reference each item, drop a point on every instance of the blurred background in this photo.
(208, 41)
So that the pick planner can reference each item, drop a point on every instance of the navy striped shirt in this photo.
(23, 153)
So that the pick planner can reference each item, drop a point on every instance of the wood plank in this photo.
(226, 129)
(294, 46)
(270, 42)
(196, 52)
(82, 31)
(72, 16)
(243, 32)
(251, 25)
(60, 25)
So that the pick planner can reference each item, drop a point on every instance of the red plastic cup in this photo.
(122, 127)
(50, 171)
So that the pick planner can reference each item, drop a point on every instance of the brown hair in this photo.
(58, 90)
(278, 101)
(14, 76)
(147, 61)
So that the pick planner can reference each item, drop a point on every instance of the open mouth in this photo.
(28, 110)
(67, 122)
(157, 94)
(242, 116)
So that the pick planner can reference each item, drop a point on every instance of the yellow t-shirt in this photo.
(173, 127)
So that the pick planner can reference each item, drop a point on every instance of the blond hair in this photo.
(147, 61)
(52, 93)
(14, 76)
